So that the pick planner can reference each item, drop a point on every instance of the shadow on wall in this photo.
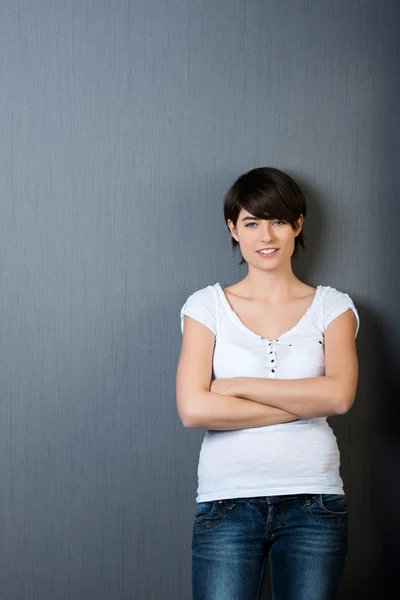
(372, 466)
(360, 435)
(384, 378)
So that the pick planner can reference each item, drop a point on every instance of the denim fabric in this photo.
(304, 536)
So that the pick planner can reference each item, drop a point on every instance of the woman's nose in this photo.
(266, 233)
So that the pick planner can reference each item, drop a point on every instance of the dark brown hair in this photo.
(266, 193)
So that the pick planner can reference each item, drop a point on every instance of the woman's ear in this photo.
(299, 225)
(232, 229)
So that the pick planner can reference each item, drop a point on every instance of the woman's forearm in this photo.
(221, 412)
(311, 397)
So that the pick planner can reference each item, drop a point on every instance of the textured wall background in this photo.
(123, 122)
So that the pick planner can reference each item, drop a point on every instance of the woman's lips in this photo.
(269, 255)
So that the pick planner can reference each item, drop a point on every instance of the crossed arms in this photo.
(242, 402)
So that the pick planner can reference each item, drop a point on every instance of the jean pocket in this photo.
(330, 509)
(204, 509)
(209, 514)
(333, 504)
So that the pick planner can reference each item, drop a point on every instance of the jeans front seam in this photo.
(261, 580)
(270, 577)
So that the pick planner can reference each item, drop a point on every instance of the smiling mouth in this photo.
(270, 252)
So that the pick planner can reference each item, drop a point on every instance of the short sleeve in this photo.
(335, 304)
(201, 305)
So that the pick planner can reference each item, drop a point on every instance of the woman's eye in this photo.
(253, 223)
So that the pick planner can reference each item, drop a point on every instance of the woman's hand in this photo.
(223, 386)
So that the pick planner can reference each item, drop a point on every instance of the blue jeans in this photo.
(303, 535)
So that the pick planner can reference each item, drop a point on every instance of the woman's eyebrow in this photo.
(250, 219)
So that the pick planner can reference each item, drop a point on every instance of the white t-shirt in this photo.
(288, 458)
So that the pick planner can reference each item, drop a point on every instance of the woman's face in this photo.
(255, 234)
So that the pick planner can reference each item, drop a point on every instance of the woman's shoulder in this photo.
(331, 293)
(334, 303)
(204, 294)
(201, 305)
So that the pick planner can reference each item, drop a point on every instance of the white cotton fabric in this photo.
(288, 458)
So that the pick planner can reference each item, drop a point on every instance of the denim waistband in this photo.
(278, 498)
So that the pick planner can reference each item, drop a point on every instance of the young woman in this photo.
(263, 363)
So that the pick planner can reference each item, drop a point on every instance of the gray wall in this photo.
(123, 122)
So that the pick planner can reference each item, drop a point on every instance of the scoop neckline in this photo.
(253, 333)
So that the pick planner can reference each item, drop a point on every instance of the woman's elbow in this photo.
(345, 403)
(188, 413)
(188, 420)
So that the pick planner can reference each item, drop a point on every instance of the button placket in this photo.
(271, 359)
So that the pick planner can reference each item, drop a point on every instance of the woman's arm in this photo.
(197, 406)
(222, 412)
(331, 394)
